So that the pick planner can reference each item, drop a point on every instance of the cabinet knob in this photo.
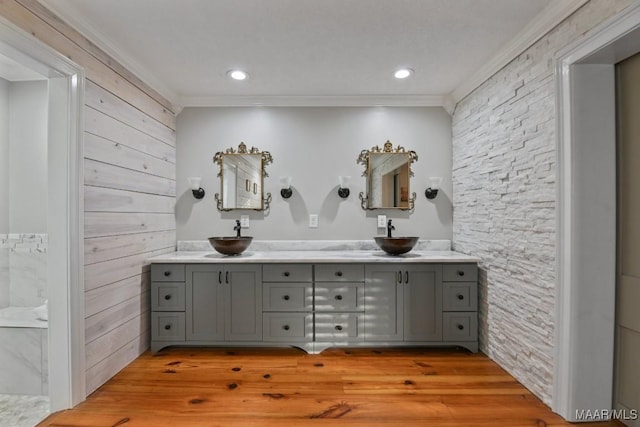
(286, 274)
(285, 327)
(338, 297)
(338, 328)
(460, 273)
(286, 297)
(167, 297)
(167, 273)
(167, 327)
(460, 327)
(339, 273)
(460, 297)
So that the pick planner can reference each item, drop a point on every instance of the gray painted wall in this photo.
(314, 145)
(28, 157)
(4, 156)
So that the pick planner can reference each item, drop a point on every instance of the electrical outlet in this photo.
(244, 221)
(382, 221)
(313, 221)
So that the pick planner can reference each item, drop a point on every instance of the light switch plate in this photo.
(382, 221)
(313, 221)
(244, 221)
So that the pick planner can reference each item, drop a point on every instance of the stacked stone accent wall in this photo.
(504, 195)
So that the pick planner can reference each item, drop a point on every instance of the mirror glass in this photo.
(241, 179)
(387, 171)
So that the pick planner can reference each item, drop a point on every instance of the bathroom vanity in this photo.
(314, 299)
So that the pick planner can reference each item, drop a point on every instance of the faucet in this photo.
(237, 228)
(389, 228)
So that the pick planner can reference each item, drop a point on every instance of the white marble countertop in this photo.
(301, 256)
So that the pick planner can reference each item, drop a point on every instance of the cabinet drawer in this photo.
(339, 327)
(167, 326)
(460, 273)
(460, 296)
(339, 297)
(287, 297)
(460, 326)
(339, 272)
(287, 273)
(167, 296)
(287, 327)
(167, 272)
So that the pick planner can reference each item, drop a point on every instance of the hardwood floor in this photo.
(287, 387)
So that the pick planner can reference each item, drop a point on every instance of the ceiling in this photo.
(313, 51)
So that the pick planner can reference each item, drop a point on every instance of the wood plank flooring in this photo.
(287, 387)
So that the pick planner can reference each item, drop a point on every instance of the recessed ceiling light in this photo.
(403, 73)
(237, 74)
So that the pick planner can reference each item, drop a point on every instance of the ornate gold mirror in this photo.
(242, 176)
(387, 170)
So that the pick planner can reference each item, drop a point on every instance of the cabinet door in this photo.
(383, 303)
(422, 302)
(243, 317)
(205, 302)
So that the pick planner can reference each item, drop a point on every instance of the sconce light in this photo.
(432, 191)
(343, 191)
(286, 190)
(194, 184)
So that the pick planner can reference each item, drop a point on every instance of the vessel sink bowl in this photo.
(230, 245)
(396, 245)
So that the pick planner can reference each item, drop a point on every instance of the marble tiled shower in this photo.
(23, 328)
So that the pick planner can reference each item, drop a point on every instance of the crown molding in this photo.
(68, 13)
(552, 15)
(315, 101)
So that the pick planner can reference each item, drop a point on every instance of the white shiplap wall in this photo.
(129, 191)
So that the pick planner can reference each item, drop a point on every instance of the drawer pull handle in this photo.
(167, 297)
(339, 273)
(286, 274)
(286, 297)
(285, 327)
(406, 277)
(167, 273)
(460, 273)
(338, 297)
(167, 327)
(460, 327)
(399, 276)
(220, 277)
(338, 328)
(460, 297)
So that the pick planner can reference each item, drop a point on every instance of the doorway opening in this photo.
(41, 214)
(586, 258)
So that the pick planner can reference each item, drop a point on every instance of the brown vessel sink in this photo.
(230, 245)
(396, 245)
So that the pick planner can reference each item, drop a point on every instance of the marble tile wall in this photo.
(23, 357)
(23, 269)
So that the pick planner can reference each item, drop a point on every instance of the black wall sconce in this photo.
(194, 184)
(432, 191)
(286, 190)
(343, 190)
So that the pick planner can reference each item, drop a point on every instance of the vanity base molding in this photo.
(314, 306)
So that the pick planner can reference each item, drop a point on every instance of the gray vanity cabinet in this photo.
(315, 305)
(403, 302)
(383, 318)
(223, 302)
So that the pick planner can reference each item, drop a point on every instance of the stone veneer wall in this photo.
(504, 195)
(23, 269)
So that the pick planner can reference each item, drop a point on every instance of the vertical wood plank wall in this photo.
(129, 191)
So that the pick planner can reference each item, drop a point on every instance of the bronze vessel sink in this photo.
(230, 245)
(396, 245)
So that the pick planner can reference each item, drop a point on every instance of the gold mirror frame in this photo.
(365, 159)
(265, 159)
